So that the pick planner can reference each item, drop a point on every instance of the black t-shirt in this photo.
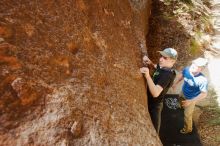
(163, 77)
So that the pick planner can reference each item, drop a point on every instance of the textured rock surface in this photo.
(69, 73)
(180, 24)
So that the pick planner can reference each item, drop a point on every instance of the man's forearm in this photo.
(155, 91)
(178, 80)
(201, 96)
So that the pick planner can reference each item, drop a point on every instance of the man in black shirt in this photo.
(159, 83)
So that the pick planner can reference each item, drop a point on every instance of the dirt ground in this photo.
(208, 123)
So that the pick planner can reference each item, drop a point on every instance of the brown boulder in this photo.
(70, 74)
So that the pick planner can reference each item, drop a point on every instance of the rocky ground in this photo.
(209, 126)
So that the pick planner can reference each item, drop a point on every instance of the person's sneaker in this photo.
(183, 131)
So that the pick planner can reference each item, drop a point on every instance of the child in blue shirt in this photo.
(194, 89)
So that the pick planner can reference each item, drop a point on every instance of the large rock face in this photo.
(70, 73)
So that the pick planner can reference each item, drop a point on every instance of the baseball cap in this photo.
(200, 61)
(169, 52)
